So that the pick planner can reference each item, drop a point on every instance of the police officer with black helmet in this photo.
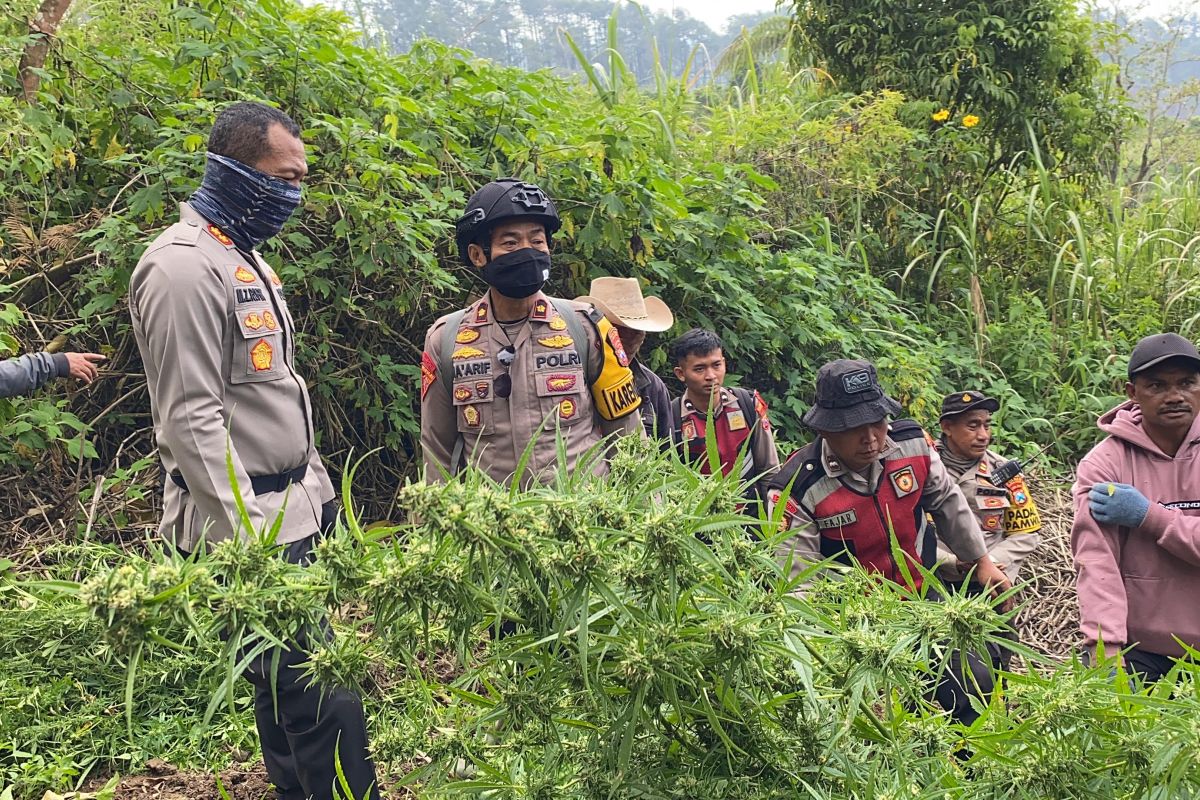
(518, 363)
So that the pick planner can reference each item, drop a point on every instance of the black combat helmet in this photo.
(506, 198)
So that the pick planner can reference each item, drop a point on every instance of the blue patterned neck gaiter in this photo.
(248, 205)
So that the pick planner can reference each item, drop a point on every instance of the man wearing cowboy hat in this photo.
(621, 302)
(1006, 512)
(860, 493)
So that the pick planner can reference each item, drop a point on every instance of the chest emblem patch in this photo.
(483, 389)
(244, 275)
(689, 430)
(567, 408)
(466, 336)
(261, 355)
(462, 394)
(560, 383)
(254, 321)
(558, 324)
(736, 420)
(904, 481)
(557, 342)
(463, 353)
(269, 321)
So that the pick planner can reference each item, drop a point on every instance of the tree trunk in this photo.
(42, 27)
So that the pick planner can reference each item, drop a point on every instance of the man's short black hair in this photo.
(240, 131)
(696, 342)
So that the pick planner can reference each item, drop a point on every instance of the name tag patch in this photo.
(473, 369)
(837, 520)
(249, 295)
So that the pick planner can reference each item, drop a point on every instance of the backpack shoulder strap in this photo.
(445, 353)
(677, 419)
(745, 400)
(569, 312)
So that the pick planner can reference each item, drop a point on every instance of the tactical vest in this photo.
(857, 527)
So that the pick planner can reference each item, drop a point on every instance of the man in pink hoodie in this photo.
(1136, 533)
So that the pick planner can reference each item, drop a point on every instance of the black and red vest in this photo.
(859, 527)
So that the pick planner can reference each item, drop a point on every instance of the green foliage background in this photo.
(787, 221)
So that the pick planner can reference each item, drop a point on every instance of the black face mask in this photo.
(518, 274)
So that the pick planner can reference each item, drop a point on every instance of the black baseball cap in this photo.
(962, 402)
(848, 395)
(1157, 348)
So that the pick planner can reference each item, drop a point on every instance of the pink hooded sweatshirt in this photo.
(1140, 586)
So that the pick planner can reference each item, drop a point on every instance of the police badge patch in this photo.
(614, 339)
(428, 373)
(261, 356)
(904, 481)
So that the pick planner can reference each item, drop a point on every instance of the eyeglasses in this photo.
(503, 384)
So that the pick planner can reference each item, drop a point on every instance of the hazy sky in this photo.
(716, 12)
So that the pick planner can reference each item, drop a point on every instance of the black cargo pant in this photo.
(1150, 667)
(301, 725)
(968, 675)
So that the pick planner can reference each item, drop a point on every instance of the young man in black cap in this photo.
(1006, 512)
(1136, 533)
(863, 481)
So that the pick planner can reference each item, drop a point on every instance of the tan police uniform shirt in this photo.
(1008, 540)
(549, 389)
(217, 342)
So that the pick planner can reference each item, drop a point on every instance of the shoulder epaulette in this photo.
(184, 234)
(804, 467)
(903, 429)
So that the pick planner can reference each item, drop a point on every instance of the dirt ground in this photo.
(163, 781)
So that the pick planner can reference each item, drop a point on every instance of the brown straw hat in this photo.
(621, 301)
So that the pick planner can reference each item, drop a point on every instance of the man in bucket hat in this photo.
(864, 480)
(621, 302)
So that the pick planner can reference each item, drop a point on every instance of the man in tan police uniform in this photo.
(1002, 503)
(217, 341)
(517, 363)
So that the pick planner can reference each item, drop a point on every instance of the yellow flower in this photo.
(970, 121)
(941, 116)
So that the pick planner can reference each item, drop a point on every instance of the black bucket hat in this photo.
(848, 395)
(957, 403)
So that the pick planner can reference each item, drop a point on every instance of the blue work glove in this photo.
(1118, 504)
